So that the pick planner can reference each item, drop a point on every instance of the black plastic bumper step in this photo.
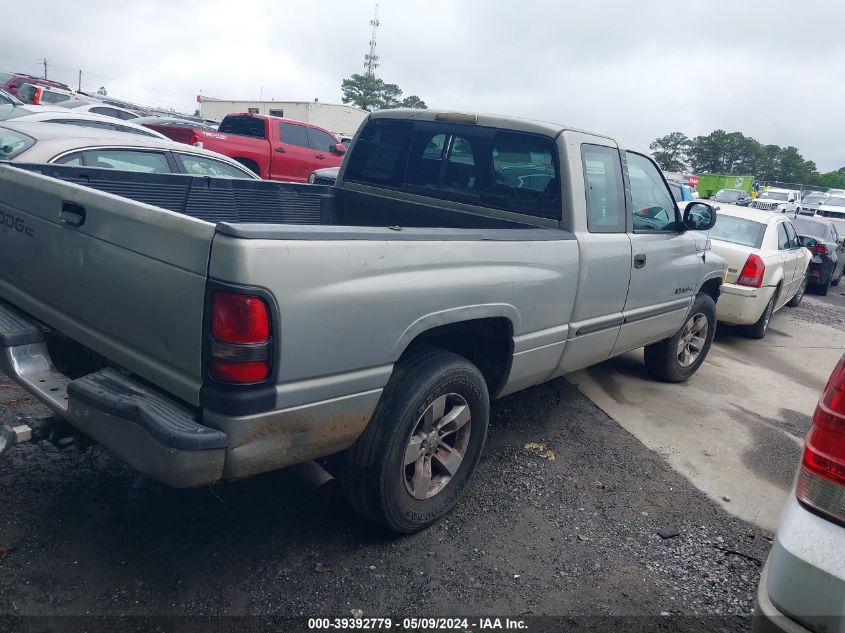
(17, 329)
(171, 424)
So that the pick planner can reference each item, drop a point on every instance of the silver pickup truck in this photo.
(205, 329)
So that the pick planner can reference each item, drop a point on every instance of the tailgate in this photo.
(121, 277)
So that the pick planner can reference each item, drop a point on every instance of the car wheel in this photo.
(420, 448)
(677, 358)
(823, 289)
(799, 295)
(758, 330)
(835, 282)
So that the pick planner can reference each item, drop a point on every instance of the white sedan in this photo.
(767, 266)
(802, 587)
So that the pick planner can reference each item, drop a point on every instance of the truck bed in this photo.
(232, 202)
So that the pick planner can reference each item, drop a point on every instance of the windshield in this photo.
(774, 195)
(835, 201)
(813, 198)
(738, 231)
(12, 143)
(811, 228)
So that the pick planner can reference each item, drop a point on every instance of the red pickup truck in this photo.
(272, 147)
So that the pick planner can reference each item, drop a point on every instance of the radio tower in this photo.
(371, 59)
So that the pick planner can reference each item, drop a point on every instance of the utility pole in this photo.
(44, 61)
(79, 89)
(371, 59)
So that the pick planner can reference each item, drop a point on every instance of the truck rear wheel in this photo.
(417, 454)
(677, 358)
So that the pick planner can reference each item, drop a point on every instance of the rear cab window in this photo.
(512, 171)
(243, 126)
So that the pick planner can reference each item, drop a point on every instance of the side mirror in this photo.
(808, 242)
(699, 216)
(340, 148)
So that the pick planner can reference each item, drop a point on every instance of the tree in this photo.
(671, 151)
(369, 92)
(102, 91)
(414, 102)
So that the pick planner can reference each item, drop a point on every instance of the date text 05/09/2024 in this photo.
(417, 624)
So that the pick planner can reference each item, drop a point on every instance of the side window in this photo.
(603, 185)
(444, 160)
(652, 204)
(524, 175)
(319, 140)
(125, 115)
(783, 238)
(792, 235)
(426, 160)
(460, 171)
(71, 159)
(676, 192)
(293, 134)
(202, 166)
(128, 160)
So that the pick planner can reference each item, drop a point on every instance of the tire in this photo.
(835, 282)
(822, 289)
(426, 388)
(758, 330)
(666, 360)
(799, 294)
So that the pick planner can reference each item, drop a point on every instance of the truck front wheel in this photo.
(677, 358)
(422, 444)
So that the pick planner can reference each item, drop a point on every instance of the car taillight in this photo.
(821, 479)
(752, 273)
(240, 338)
(36, 96)
(195, 140)
(820, 249)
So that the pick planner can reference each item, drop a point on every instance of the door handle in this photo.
(281, 150)
(639, 260)
(320, 157)
(72, 214)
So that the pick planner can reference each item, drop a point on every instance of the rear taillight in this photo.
(819, 249)
(753, 272)
(240, 338)
(36, 96)
(195, 140)
(821, 479)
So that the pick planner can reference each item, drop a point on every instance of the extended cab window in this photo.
(242, 126)
(293, 134)
(652, 205)
(603, 185)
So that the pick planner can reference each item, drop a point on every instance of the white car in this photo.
(780, 200)
(89, 120)
(104, 109)
(767, 266)
(802, 586)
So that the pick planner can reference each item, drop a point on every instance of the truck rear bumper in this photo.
(148, 430)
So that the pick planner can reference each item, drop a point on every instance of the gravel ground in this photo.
(566, 527)
(817, 309)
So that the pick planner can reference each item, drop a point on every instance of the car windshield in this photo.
(810, 227)
(729, 228)
(773, 195)
(813, 198)
(835, 201)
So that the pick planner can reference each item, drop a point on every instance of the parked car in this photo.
(767, 266)
(11, 82)
(833, 207)
(778, 200)
(824, 242)
(811, 200)
(272, 147)
(84, 119)
(417, 289)
(79, 105)
(732, 196)
(37, 142)
(327, 176)
(41, 95)
(802, 585)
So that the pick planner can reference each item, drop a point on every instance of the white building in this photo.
(343, 120)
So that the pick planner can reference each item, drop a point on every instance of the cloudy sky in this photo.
(634, 70)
